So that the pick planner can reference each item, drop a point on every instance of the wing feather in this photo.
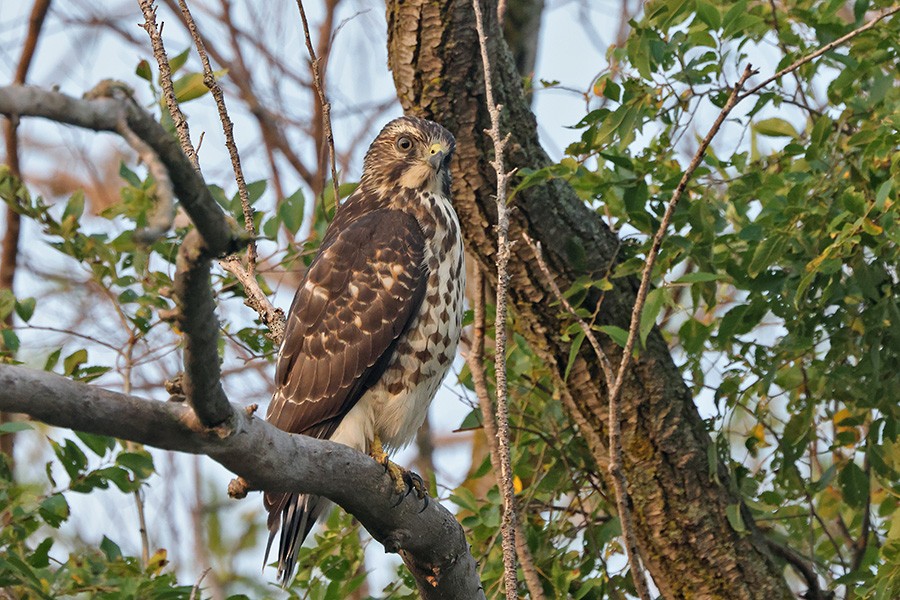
(358, 296)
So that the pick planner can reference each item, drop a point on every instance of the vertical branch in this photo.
(508, 525)
(475, 359)
(323, 101)
(209, 79)
(10, 247)
(165, 77)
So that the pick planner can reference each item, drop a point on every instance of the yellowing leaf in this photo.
(517, 484)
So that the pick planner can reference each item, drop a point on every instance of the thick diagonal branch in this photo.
(429, 538)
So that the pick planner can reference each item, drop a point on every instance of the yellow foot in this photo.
(405, 481)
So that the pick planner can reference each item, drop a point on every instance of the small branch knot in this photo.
(238, 488)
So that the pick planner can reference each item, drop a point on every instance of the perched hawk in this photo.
(375, 324)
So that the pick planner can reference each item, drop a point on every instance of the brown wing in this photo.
(359, 295)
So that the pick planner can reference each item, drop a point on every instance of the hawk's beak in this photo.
(438, 152)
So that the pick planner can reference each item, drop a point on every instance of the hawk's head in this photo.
(410, 153)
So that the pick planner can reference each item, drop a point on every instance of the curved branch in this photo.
(429, 539)
(103, 114)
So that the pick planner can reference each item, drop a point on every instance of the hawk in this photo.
(375, 324)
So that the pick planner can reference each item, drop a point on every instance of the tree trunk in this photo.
(685, 538)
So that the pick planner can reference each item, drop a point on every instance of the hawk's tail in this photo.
(294, 514)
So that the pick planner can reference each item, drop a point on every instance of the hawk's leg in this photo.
(405, 481)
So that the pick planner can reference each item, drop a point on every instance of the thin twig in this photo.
(508, 524)
(323, 100)
(826, 48)
(209, 79)
(165, 77)
(475, 360)
(271, 316)
(585, 328)
(196, 587)
(134, 447)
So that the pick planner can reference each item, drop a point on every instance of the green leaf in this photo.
(74, 360)
(110, 549)
(618, 335)
(50, 364)
(255, 190)
(75, 206)
(700, 277)
(7, 303)
(656, 299)
(10, 340)
(733, 513)
(190, 87)
(178, 61)
(25, 308)
(143, 70)
(472, 421)
(775, 127)
(709, 14)
(140, 463)
(54, 510)
(881, 196)
(15, 426)
(98, 444)
(573, 352)
(854, 485)
(766, 253)
(291, 211)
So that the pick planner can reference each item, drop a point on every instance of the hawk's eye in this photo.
(404, 143)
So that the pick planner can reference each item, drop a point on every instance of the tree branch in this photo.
(209, 80)
(103, 114)
(323, 101)
(475, 359)
(508, 523)
(429, 539)
(165, 80)
(197, 319)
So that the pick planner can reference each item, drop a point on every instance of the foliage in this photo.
(777, 285)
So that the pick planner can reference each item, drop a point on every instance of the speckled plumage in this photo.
(375, 324)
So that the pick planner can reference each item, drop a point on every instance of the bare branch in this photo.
(209, 79)
(323, 101)
(271, 316)
(475, 359)
(508, 524)
(165, 78)
(585, 328)
(430, 540)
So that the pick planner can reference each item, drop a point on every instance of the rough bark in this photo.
(685, 537)
(429, 538)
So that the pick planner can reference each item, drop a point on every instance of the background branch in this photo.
(10, 247)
